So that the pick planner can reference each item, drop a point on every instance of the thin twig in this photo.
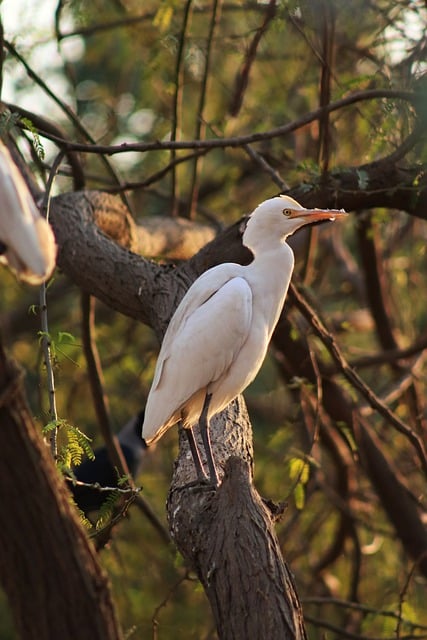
(351, 375)
(385, 357)
(402, 596)
(343, 633)
(376, 287)
(242, 78)
(328, 43)
(356, 606)
(46, 345)
(64, 107)
(42, 124)
(102, 489)
(200, 123)
(148, 17)
(177, 102)
(239, 141)
(45, 336)
(96, 380)
(265, 166)
(164, 602)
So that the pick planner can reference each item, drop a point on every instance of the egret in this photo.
(218, 336)
(27, 243)
(101, 471)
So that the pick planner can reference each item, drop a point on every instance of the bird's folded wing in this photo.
(206, 286)
(199, 349)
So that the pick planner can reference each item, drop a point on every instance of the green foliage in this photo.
(8, 121)
(163, 18)
(85, 522)
(75, 444)
(38, 146)
(299, 474)
(64, 338)
(107, 509)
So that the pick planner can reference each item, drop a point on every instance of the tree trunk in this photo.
(227, 536)
(48, 568)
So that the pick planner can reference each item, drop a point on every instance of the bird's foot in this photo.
(201, 484)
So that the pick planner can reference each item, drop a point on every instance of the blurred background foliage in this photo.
(116, 64)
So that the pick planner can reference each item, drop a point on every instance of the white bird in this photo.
(27, 243)
(218, 336)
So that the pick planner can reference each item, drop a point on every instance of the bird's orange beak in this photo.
(315, 215)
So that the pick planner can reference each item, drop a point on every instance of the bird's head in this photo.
(279, 218)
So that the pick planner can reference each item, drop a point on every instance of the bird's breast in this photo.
(243, 369)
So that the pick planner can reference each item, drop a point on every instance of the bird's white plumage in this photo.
(218, 337)
(193, 354)
(28, 239)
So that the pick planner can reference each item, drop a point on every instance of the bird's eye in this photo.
(287, 212)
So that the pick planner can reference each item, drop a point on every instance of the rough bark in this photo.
(48, 568)
(228, 537)
(385, 184)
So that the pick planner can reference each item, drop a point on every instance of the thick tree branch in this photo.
(48, 568)
(229, 539)
(375, 282)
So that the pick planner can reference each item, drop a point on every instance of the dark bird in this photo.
(101, 471)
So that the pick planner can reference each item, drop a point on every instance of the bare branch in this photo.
(242, 77)
(351, 375)
(239, 141)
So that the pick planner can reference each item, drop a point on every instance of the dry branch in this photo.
(295, 361)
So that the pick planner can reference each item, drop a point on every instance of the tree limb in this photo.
(72, 600)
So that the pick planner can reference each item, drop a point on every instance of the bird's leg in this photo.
(196, 456)
(204, 432)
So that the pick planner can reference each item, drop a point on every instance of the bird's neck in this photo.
(269, 275)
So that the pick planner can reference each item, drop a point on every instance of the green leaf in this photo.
(76, 444)
(299, 497)
(84, 521)
(39, 149)
(65, 336)
(163, 18)
(106, 510)
(122, 480)
(299, 470)
(299, 473)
